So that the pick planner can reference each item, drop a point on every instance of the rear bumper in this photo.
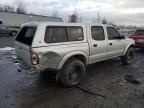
(30, 69)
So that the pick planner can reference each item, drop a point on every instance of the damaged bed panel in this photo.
(50, 59)
(54, 56)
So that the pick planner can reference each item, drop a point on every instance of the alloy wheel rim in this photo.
(74, 74)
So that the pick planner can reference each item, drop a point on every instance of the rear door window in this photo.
(97, 33)
(26, 35)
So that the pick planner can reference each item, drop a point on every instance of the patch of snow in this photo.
(7, 49)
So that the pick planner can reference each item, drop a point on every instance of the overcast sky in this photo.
(118, 11)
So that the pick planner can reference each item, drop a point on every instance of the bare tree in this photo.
(8, 8)
(74, 17)
(111, 23)
(80, 19)
(1, 8)
(20, 7)
(104, 21)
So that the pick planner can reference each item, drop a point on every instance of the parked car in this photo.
(5, 31)
(138, 37)
(69, 48)
(126, 32)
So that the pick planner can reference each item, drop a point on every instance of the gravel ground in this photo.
(104, 85)
(6, 41)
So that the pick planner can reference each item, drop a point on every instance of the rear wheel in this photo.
(72, 72)
(129, 56)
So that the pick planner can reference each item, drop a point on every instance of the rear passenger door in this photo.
(115, 44)
(98, 44)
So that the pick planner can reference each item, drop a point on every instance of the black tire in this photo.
(129, 56)
(72, 72)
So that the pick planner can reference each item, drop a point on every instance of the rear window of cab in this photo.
(55, 34)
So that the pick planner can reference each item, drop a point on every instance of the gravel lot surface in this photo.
(103, 87)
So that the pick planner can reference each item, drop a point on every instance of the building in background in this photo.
(15, 20)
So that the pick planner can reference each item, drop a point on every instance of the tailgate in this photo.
(23, 44)
(23, 53)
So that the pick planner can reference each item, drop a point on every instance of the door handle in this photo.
(94, 45)
(110, 43)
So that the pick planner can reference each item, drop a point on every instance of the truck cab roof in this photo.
(35, 23)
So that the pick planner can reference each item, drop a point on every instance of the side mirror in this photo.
(119, 37)
(122, 37)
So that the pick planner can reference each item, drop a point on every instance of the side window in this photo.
(112, 33)
(55, 34)
(97, 33)
(75, 33)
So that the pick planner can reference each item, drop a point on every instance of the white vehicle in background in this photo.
(5, 31)
(69, 48)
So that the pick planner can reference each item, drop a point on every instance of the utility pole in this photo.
(98, 18)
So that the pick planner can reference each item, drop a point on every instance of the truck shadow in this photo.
(139, 50)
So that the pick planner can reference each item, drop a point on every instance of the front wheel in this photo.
(72, 72)
(128, 57)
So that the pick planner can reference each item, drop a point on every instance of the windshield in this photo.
(139, 32)
(26, 35)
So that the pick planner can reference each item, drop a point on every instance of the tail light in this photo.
(34, 58)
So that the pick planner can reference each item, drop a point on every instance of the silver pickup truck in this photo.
(69, 48)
